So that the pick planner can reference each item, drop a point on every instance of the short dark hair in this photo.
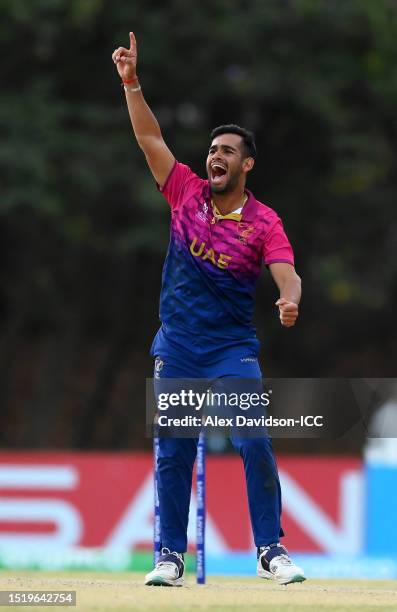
(247, 136)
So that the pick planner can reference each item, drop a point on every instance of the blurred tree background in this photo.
(84, 231)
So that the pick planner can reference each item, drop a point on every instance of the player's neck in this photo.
(228, 202)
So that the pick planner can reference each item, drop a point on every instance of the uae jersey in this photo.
(212, 267)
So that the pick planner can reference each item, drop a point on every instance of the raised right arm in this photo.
(145, 125)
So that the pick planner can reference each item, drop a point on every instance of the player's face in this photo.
(225, 162)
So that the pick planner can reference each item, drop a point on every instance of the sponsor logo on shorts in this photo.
(158, 366)
(248, 359)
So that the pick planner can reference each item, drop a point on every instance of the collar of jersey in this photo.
(249, 208)
(233, 216)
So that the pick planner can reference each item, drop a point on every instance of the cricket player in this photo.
(220, 235)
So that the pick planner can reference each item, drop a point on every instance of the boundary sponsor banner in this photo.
(50, 501)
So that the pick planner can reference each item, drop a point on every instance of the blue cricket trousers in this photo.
(177, 457)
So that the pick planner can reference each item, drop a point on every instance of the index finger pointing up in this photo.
(132, 40)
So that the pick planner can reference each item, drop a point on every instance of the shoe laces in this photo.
(282, 560)
(166, 551)
(169, 563)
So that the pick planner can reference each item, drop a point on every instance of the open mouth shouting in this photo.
(218, 174)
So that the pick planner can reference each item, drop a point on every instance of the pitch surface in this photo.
(125, 591)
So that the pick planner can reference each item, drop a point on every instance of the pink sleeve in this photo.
(277, 248)
(179, 182)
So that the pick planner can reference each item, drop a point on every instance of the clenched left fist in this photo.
(288, 312)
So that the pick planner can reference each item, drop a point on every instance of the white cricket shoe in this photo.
(168, 571)
(274, 563)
